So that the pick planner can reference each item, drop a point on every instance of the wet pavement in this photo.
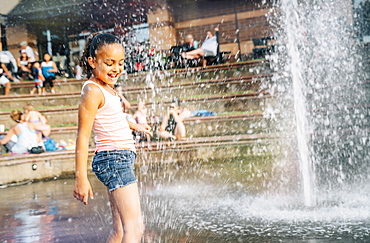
(194, 203)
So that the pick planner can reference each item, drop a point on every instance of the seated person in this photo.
(189, 45)
(24, 66)
(31, 115)
(141, 117)
(3, 80)
(26, 133)
(172, 126)
(193, 44)
(208, 48)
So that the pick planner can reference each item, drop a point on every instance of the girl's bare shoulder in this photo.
(91, 93)
(91, 89)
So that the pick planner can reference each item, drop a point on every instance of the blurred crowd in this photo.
(26, 68)
(31, 133)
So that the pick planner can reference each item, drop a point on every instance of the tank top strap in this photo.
(105, 93)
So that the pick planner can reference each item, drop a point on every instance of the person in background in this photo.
(208, 48)
(141, 117)
(172, 126)
(31, 115)
(49, 70)
(193, 44)
(4, 81)
(28, 50)
(38, 78)
(26, 133)
(78, 72)
(24, 66)
(125, 103)
(189, 45)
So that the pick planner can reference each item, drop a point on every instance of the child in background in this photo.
(125, 103)
(49, 70)
(141, 116)
(39, 78)
(31, 115)
(100, 109)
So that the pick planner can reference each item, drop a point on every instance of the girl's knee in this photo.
(135, 229)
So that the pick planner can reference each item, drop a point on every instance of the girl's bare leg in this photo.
(116, 234)
(127, 221)
(180, 131)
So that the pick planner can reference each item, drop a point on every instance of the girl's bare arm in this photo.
(145, 128)
(126, 102)
(91, 99)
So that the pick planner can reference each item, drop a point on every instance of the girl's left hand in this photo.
(145, 128)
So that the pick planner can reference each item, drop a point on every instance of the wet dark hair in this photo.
(93, 44)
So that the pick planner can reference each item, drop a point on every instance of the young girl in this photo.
(141, 116)
(113, 163)
(33, 116)
(39, 78)
(49, 69)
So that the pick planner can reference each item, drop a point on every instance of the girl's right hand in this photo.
(83, 190)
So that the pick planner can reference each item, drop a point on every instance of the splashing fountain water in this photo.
(292, 23)
(319, 77)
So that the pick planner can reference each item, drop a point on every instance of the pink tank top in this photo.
(110, 124)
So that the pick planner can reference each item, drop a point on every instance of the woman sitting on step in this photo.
(25, 133)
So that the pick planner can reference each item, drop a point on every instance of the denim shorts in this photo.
(114, 168)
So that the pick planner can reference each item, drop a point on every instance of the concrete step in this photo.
(160, 78)
(58, 163)
(180, 76)
(188, 90)
(253, 101)
(61, 86)
(221, 125)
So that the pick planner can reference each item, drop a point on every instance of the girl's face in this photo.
(47, 57)
(108, 63)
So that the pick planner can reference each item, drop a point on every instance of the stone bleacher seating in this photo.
(233, 90)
